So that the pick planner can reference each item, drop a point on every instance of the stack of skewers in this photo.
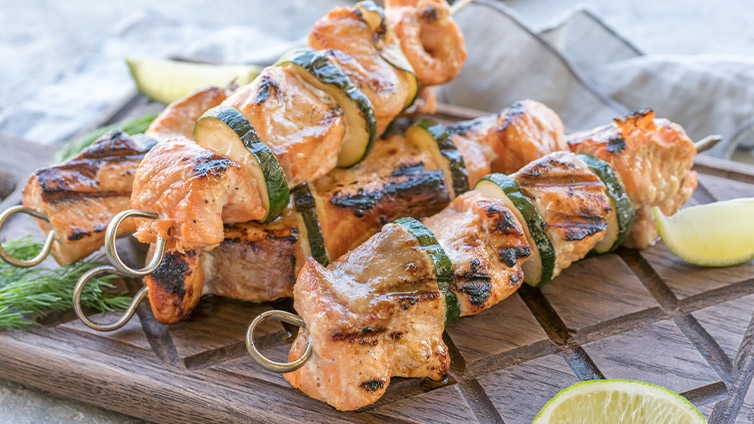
(302, 184)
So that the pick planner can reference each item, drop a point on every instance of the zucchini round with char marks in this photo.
(622, 217)
(433, 137)
(226, 131)
(316, 69)
(443, 265)
(538, 270)
(307, 208)
(389, 47)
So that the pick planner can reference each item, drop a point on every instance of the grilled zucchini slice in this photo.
(443, 265)
(387, 44)
(430, 136)
(361, 126)
(539, 268)
(226, 131)
(622, 217)
(307, 208)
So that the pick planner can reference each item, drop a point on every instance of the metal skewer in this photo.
(95, 272)
(458, 5)
(112, 253)
(118, 267)
(45, 249)
(269, 364)
(707, 142)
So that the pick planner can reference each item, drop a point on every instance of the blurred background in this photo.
(62, 62)
(62, 66)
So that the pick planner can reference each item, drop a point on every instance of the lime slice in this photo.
(617, 402)
(168, 80)
(715, 234)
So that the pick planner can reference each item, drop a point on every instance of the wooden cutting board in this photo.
(641, 315)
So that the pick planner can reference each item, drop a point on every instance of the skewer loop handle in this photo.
(112, 253)
(45, 249)
(266, 363)
(93, 273)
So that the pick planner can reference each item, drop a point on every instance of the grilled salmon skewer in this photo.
(380, 310)
(75, 200)
(397, 179)
(656, 155)
(79, 196)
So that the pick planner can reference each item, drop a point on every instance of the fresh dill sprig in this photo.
(30, 293)
(130, 126)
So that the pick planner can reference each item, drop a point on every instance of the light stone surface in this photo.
(22, 405)
(42, 42)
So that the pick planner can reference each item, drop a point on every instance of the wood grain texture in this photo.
(658, 353)
(724, 189)
(639, 315)
(482, 341)
(8, 183)
(520, 391)
(447, 402)
(217, 323)
(686, 280)
(130, 334)
(21, 160)
(598, 291)
(746, 416)
(723, 320)
(729, 409)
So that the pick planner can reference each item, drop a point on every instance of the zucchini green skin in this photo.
(371, 6)
(278, 194)
(617, 192)
(277, 187)
(443, 265)
(307, 207)
(534, 222)
(458, 173)
(320, 66)
(395, 58)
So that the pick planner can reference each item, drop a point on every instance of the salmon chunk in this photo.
(80, 196)
(194, 191)
(653, 158)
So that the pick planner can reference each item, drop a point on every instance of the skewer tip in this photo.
(707, 142)
(458, 5)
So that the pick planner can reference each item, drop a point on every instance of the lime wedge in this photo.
(618, 402)
(715, 234)
(168, 80)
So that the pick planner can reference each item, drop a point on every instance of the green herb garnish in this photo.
(27, 294)
(130, 126)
